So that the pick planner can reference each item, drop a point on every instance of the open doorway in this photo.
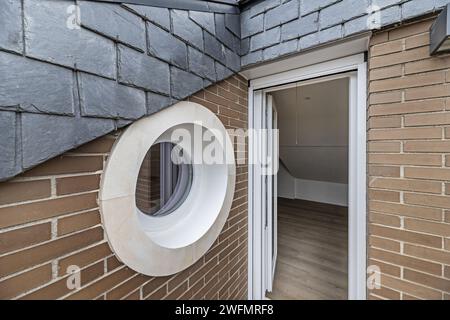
(312, 191)
(308, 234)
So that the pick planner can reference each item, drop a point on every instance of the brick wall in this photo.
(148, 182)
(49, 220)
(409, 165)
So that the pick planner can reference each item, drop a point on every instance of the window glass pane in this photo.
(164, 180)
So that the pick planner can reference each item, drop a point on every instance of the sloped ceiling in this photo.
(313, 122)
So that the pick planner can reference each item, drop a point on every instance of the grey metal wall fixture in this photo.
(440, 33)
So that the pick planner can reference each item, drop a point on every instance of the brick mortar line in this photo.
(440, 222)
(57, 259)
(401, 190)
(415, 231)
(49, 241)
(395, 52)
(413, 283)
(410, 268)
(54, 280)
(125, 297)
(50, 198)
(56, 176)
(158, 288)
(18, 273)
(47, 220)
(121, 283)
(208, 284)
(25, 225)
(222, 250)
(82, 154)
(411, 256)
(404, 216)
(406, 204)
(97, 280)
(439, 126)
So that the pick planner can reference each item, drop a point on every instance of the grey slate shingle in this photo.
(9, 161)
(204, 19)
(41, 141)
(300, 27)
(49, 39)
(245, 46)
(263, 6)
(308, 6)
(225, 35)
(201, 64)
(308, 41)
(34, 86)
(416, 7)
(284, 13)
(157, 15)
(214, 47)
(166, 47)
(330, 34)
(342, 12)
(265, 39)
(11, 33)
(280, 49)
(251, 25)
(143, 71)
(232, 60)
(107, 99)
(186, 29)
(157, 102)
(184, 83)
(113, 21)
(222, 71)
(252, 58)
(233, 23)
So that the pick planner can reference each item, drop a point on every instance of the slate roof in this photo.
(274, 28)
(62, 85)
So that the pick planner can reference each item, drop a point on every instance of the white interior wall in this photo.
(317, 191)
(313, 122)
(324, 192)
(286, 184)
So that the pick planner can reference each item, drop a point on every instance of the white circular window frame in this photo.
(161, 246)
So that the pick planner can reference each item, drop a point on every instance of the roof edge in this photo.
(216, 6)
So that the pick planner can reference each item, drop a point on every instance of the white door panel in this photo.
(270, 181)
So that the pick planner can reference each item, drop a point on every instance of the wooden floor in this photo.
(312, 251)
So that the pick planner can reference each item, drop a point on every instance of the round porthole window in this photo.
(162, 205)
(164, 181)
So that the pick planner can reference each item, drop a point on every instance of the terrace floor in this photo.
(312, 251)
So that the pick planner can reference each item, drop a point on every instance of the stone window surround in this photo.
(140, 240)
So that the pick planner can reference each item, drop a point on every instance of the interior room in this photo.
(312, 218)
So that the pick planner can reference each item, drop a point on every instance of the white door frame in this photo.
(269, 207)
(357, 168)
